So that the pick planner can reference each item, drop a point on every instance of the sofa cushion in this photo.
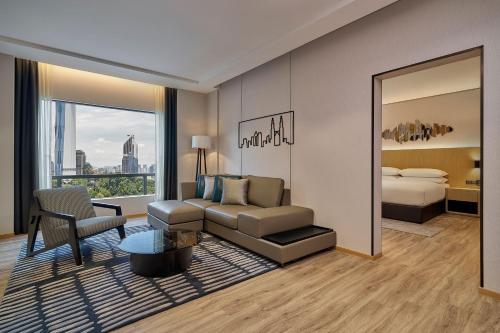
(200, 203)
(265, 191)
(217, 195)
(234, 192)
(268, 221)
(174, 211)
(226, 215)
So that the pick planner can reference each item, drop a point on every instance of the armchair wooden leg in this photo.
(32, 233)
(75, 245)
(121, 231)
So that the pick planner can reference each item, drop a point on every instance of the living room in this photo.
(242, 159)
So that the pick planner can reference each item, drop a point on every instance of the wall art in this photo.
(275, 129)
(416, 131)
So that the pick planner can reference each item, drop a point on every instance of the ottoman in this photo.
(174, 215)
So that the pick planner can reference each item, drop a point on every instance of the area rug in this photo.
(49, 293)
(412, 228)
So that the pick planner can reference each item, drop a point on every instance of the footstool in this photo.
(173, 215)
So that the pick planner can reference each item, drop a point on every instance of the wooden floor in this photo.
(420, 285)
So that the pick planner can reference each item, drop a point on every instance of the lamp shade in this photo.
(477, 164)
(201, 141)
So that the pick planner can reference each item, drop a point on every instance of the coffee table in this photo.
(159, 252)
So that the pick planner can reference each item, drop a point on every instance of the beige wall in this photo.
(460, 110)
(191, 120)
(7, 144)
(331, 95)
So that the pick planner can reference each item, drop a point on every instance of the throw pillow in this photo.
(200, 186)
(234, 192)
(217, 195)
(209, 188)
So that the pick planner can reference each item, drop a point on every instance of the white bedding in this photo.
(414, 193)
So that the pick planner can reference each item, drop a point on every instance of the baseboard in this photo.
(489, 293)
(358, 254)
(4, 236)
(133, 216)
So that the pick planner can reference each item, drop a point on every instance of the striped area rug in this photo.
(49, 293)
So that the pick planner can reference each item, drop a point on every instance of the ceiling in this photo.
(453, 77)
(189, 44)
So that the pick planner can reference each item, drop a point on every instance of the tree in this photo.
(87, 169)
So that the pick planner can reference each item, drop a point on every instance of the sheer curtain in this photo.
(160, 142)
(44, 139)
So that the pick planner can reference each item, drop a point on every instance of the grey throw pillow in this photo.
(234, 192)
(209, 188)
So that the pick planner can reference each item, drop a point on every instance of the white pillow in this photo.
(388, 171)
(437, 180)
(234, 192)
(390, 177)
(209, 188)
(422, 172)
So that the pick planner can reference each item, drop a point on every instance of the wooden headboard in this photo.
(458, 162)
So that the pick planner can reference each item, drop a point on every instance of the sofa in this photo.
(268, 213)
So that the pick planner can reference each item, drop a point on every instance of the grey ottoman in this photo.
(174, 214)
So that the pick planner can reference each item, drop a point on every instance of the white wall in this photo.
(7, 144)
(331, 93)
(460, 110)
(131, 205)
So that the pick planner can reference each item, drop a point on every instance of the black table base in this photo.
(161, 264)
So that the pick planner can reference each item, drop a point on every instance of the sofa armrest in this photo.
(188, 190)
(267, 221)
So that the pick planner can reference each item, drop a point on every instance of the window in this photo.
(110, 151)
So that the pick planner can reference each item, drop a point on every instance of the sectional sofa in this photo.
(268, 213)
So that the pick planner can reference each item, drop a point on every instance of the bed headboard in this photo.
(458, 162)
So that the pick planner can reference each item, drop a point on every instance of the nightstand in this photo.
(464, 201)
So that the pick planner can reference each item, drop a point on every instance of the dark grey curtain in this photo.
(170, 154)
(25, 141)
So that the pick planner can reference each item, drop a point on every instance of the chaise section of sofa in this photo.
(269, 212)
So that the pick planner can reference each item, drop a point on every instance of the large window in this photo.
(110, 151)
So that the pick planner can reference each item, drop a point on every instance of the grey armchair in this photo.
(67, 215)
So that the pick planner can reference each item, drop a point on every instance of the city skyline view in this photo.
(101, 132)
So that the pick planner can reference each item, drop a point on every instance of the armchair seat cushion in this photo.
(92, 226)
(227, 215)
(267, 221)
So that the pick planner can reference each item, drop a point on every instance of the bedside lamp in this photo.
(477, 182)
(200, 142)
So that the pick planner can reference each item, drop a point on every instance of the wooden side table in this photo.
(465, 201)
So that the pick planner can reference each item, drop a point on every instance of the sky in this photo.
(101, 132)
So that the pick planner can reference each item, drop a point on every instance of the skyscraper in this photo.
(81, 159)
(130, 159)
(65, 139)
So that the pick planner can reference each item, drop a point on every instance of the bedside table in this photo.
(464, 201)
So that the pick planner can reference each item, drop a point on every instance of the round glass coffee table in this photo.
(160, 253)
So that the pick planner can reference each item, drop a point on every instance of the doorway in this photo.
(413, 136)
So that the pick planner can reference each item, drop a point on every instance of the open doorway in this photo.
(427, 153)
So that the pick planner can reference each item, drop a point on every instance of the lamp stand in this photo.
(201, 151)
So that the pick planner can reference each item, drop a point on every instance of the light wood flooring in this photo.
(420, 285)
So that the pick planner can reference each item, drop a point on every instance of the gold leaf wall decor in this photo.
(415, 131)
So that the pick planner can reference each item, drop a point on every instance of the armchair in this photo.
(67, 215)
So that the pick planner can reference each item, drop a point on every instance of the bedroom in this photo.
(431, 147)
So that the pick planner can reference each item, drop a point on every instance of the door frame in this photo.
(377, 111)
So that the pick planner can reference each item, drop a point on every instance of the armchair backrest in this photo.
(69, 200)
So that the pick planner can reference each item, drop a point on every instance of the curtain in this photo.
(44, 128)
(170, 148)
(25, 141)
(160, 141)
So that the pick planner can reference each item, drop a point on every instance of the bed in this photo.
(412, 201)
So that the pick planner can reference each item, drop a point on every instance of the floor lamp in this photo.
(200, 142)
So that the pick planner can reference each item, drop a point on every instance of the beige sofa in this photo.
(268, 212)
